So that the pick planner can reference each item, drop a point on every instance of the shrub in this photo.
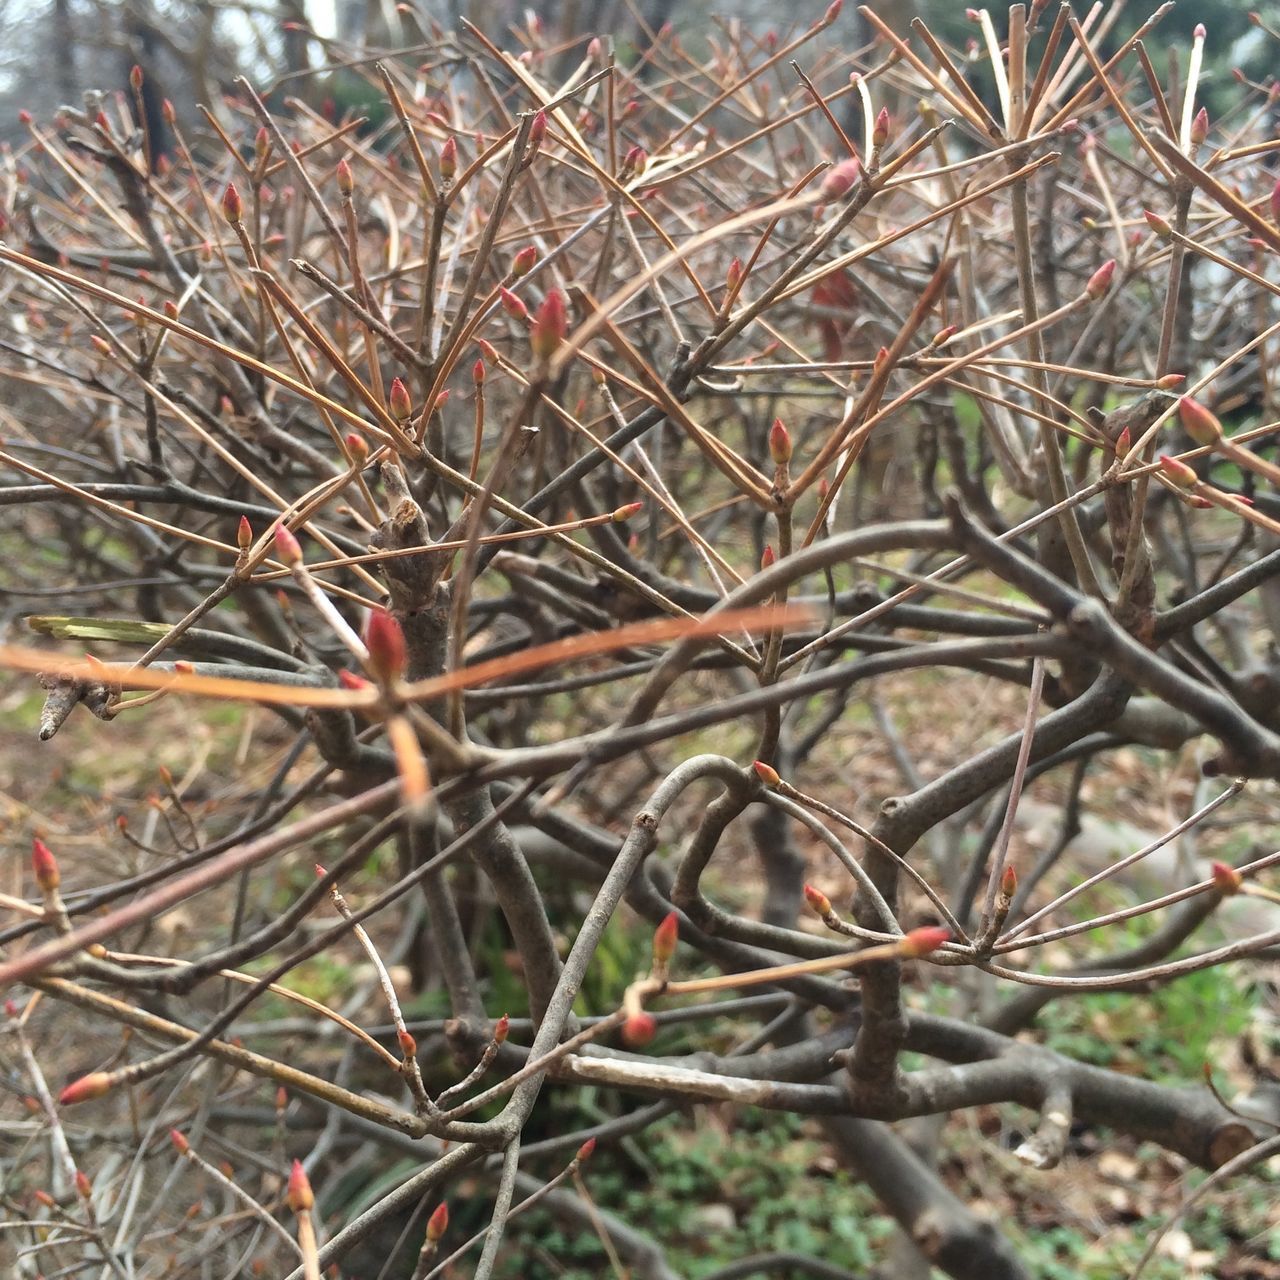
(693, 489)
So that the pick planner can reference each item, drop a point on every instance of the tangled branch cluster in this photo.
(567, 457)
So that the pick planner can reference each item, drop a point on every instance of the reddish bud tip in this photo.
(232, 205)
(1100, 281)
(357, 448)
(833, 12)
(585, 1151)
(438, 1223)
(1158, 224)
(501, 1030)
(478, 372)
(399, 404)
(385, 641)
(1198, 422)
(45, 866)
(639, 1029)
(287, 546)
(1200, 127)
(767, 557)
(320, 872)
(538, 129)
(1171, 380)
(550, 324)
(880, 130)
(94, 1085)
(665, 937)
(733, 277)
(135, 78)
(924, 941)
(1227, 880)
(244, 533)
(408, 1045)
(1199, 32)
(625, 513)
(634, 162)
(779, 442)
(24, 116)
(767, 773)
(298, 1195)
(84, 1188)
(818, 901)
(346, 180)
(1009, 882)
(352, 682)
(179, 1140)
(170, 115)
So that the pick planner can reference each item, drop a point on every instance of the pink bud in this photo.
(766, 773)
(550, 324)
(523, 262)
(1227, 880)
(1177, 471)
(1158, 224)
(779, 442)
(232, 205)
(839, 178)
(244, 534)
(299, 1195)
(398, 402)
(1198, 422)
(1100, 281)
(287, 546)
(512, 305)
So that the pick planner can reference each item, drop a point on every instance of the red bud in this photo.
(584, 1152)
(408, 1045)
(639, 1029)
(438, 1223)
(45, 866)
(501, 1029)
(232, 205)
(818, 901)
(399, 404)
(1200, 127)
(135, 78)
(180, 1143)
(924, 941)
(244, 533)
(1009, 882)
(346, 182)
(94, 1085)
(385, 641)
(665, 937)
(299, 1196)
(1227, 880)
(880, 130)
(349, 680)
(449, 158)
(1158, 224)
(766, 773)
